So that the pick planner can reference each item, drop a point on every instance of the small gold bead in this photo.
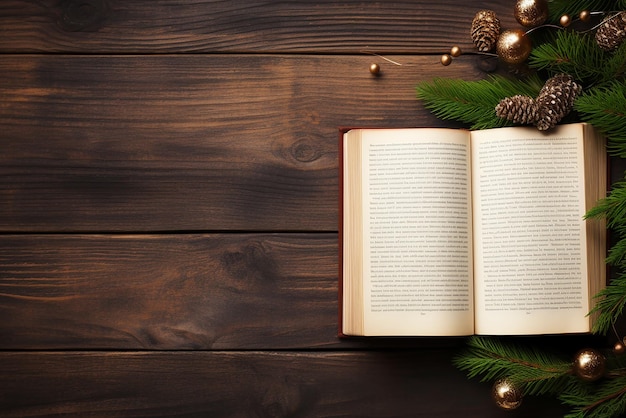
(565, 21)
(455, 51)
(446, 59)
(375, 69)
(585, 15)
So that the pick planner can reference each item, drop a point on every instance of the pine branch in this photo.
(615, 65)
(605, 109)
(572, 8)
(616, 366)
(473, 102)
(534, 371)
(579, 56)
(610, 304)
(609, 400)
(617, 254)
(612, 299)
(612, 208)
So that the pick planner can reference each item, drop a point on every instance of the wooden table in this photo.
(169, 202)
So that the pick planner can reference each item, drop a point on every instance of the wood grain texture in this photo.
(158, 26)
(226, 142)
(248, 384)
(178, 292)
(168, 292)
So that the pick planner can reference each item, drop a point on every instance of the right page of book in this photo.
(530, 238)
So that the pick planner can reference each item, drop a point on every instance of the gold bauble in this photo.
(375, 69)
(506, 395)
(619, 348)
(589, 364)
(455, 51)
(565, 21)
(531, 13)
(585, 16)
(446, 59)
(513, 46)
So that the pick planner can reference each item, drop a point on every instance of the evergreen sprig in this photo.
(617, 253)
(609, 305)
(578, 55)
(605, 108)
(607, 400)
(612, 208)
(538, 372)
(572, 8)
(473, 102)
(611, 301)
(535, 372)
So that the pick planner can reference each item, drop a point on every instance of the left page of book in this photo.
(407, 247)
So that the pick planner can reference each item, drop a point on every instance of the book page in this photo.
(417, 264)
(530, 245)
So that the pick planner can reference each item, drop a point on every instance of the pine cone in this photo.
(556, 100)
(518, 109)
(612, 31)
(485, 30)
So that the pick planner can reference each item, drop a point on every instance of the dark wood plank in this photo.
(157, 26)
(247, 384)
(168, 291)
(198, 143)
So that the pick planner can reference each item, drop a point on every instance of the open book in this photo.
(451, 232)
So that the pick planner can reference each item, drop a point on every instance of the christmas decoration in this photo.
(531, 13)
(535, 372)
(375, 69)
(589, 364)
(485, 30)
(575, 71)
(455, 51)
(473, 102)
(518, 109)
(612, 32)
(513, 46)
(506, 394)
(556, 100)
(584, 16)
(446, 59)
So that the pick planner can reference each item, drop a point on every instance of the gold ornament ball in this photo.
(585, 16)
(375, 69)
(619, 348)
(506, 395)
(565, 21)
(446, 59)
(589, 364)
(531, 13)
(455, 51)
(513, 46)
